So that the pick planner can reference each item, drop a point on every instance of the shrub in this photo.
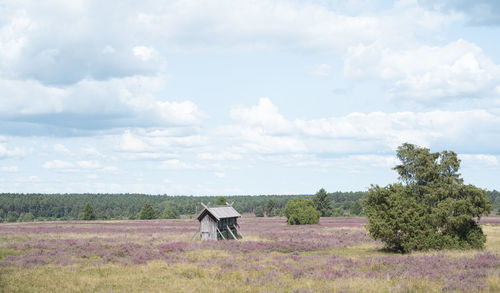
(300, 211)
(431, 208)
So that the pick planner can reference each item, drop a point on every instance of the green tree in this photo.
(356, 208)
(26, 217)
(338, 212)
(169, 213)
(322, 203)
(220, 201)
(430, 208)
(88, 212)
(147, 212)
(300, 211)
(12, 216)
(259, 211)
(270, 208)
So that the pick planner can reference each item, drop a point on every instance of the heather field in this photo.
(158, 256)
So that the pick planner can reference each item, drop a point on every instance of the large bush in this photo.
(300, 211)
(430, 208)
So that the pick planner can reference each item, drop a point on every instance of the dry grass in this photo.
(157, 276)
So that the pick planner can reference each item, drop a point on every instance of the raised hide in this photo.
(208, 228)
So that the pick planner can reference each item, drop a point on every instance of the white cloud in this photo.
(15, 152)
(150, 156)
(264, 115)
(112, 103)
(58, 164)
(361, 132)
(158, 143)
(177, 164)
(92, 176)
(112, 169)
(320, 70)
(427, 74)
(222, 156)
(144, 53)
(133, 143)
(11, 169)
(478, 160)
(92, 152)
(108, 50)
(61, 149)
(89, 164)
(220, 174)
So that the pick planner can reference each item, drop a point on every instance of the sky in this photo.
(227, 97)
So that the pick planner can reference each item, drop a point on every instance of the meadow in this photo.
(159, 256)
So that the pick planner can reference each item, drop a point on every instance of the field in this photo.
(158, 256)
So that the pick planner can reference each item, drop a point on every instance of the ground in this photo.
(158, 256)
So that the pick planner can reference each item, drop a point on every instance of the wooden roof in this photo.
(219, 212)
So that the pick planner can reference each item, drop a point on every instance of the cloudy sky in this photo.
(243, 97)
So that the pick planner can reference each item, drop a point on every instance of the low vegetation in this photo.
(336, 255)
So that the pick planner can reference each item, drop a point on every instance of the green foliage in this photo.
(8, 251)
(221, 201)
(26, 217)
(338, 212)
(88, 212)
(300, 211)
(269, 209)
(147, 212)
(259, 211)
(431, 208)
(322, 203)
(12, 216)
(53, 207)
(356, 208)
(169, 213)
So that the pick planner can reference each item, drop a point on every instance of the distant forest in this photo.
(50, 207)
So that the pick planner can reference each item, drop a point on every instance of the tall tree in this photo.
(270, 208)
(220, 201)
(431, 208)
(259, 211)
(356, 208)
(322, 203)
(147, 212)
(169, 213)
(88, 212)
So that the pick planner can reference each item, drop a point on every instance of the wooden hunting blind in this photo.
(219, 223)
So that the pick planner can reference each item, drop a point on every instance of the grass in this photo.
(8, 251)
(158, 276)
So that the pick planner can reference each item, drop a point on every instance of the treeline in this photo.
(51, 207)
(494, 197)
